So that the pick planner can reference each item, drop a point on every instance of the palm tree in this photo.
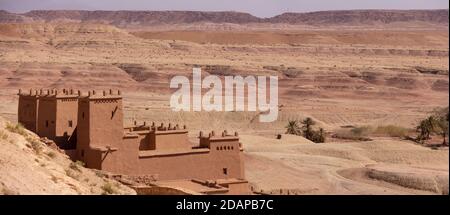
(441, 123)
(322, 135)
(307, 128)
(292, 127)
(319, 136)
(425, 128)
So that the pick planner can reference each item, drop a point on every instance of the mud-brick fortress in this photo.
(90, 128)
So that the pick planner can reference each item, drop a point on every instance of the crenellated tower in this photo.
(100, 126)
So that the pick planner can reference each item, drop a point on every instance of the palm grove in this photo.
(435, 124)
(306, 130)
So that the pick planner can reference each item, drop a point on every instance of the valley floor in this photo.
(382, 166)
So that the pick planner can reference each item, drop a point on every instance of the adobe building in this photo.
(90, 129)
(50, 114)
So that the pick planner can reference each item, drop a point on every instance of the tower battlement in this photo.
(224, 140)
(89, 127)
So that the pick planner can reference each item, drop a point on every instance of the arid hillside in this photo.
(29, 166)
(152, 18)
(361, 17)
(341, 68)
(364, 76)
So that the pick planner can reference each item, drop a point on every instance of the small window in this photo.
(46, 123)
(70, 123)
(82, 115)
(82, 153)
(225, 171)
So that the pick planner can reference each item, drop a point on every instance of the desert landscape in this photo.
(346, 70)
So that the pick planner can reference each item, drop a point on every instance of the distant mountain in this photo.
(120, 18)
(148, 18)
(363, 17)
(7, 17)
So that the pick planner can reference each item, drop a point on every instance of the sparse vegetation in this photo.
(51, 154)
(425, 128)
(3, 135)
(307, 128)
(99, 173)
(17, 128)
(437, 124)
(108, 189)
(363, 133)
(293, 128)
(75, 166)
(72, 174)
(356, 134)
(391, 131)
(317, 136)
(441, 124)
(34, 144)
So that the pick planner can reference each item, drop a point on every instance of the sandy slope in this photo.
(25, 170)
(376, 167)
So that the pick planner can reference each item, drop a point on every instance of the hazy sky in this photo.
(261, 8)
